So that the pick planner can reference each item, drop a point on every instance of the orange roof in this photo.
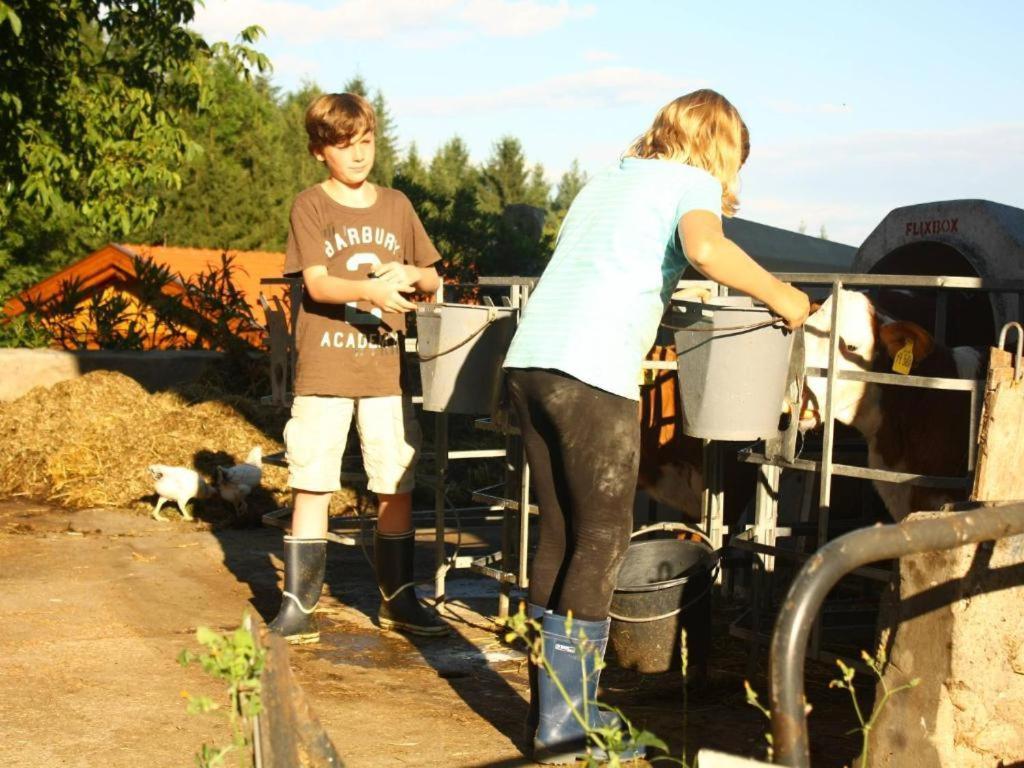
(113, 264)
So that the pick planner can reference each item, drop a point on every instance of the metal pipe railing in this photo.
(825, 568)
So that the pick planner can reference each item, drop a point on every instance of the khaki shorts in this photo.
(315, 437)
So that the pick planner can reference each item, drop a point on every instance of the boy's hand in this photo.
(396, 273)
(388, 296)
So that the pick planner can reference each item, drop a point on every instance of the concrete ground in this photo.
(97, 605)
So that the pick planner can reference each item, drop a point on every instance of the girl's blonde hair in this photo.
(702, 129)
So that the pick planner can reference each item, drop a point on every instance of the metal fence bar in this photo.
(903, 380)
(864, 473)
(903, 281)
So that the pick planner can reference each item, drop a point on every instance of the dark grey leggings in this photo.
(583, 447)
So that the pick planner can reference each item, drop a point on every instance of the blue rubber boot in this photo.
(536, 613)
(560, 736)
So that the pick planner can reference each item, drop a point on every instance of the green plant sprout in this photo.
(876, 664)
(753, 701)
(236, 657)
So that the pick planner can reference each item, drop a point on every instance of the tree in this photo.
(451, 170)
(92, 97)
(538, 190)
(503, 180)
(569, 185)
(303, 168)
(237, 190)
(412, 169)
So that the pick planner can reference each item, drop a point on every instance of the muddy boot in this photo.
(560, 737)
(399, 607)
(304, 563)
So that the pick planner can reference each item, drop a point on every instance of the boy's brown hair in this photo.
(337, 118)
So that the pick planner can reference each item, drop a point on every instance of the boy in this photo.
(359, 247)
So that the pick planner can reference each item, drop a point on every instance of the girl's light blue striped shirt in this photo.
(595, 311)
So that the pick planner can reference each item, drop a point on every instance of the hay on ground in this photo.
(87, 443)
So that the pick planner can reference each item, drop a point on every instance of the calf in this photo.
(907, 429)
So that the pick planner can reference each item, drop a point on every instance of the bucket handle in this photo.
(683, 528)
(492, 315)
(636, 620)
(671, 526)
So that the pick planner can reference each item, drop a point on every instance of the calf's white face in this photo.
(857, 326)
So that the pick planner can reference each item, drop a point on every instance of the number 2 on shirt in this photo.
(353, 314)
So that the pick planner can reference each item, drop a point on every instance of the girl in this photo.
(573, 364)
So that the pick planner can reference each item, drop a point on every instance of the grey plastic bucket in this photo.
(732, 368)
(664, 586)
(461, 348)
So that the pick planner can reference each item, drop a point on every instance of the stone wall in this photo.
(23, 369)
(960, 629)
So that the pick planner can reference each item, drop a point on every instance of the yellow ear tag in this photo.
(904, 359)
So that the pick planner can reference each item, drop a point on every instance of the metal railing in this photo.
(824, 569)
(761, 538)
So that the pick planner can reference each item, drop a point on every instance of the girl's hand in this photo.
(794, 306)
(388, 296)
(396, 273)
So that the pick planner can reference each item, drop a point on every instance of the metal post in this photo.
(765, 521)
(441, 475)
(766, 509)
(825, 492)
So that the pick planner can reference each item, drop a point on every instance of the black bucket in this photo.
(664, 586)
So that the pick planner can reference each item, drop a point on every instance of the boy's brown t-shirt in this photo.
(351, 350)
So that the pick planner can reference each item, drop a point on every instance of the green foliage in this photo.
(845, 682)
(118, 123)
(236, 658)
(569, 185)
(92, 102)
(753, 701)
(7, 14)
(23, 331)
(505, 180)
(237, 190)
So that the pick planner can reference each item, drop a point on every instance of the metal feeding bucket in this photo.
(733, 360)
(461, 348)
(664, 586)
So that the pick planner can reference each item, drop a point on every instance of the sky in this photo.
(854, 108)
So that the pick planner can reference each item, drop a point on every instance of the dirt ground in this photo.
(97, 604)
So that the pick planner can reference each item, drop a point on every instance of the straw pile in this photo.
(87, 443)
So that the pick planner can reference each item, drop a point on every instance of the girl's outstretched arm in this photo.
(718, 258)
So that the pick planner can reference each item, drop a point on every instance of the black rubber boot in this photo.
(399, 607)
(560, 737)
(305, 561)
